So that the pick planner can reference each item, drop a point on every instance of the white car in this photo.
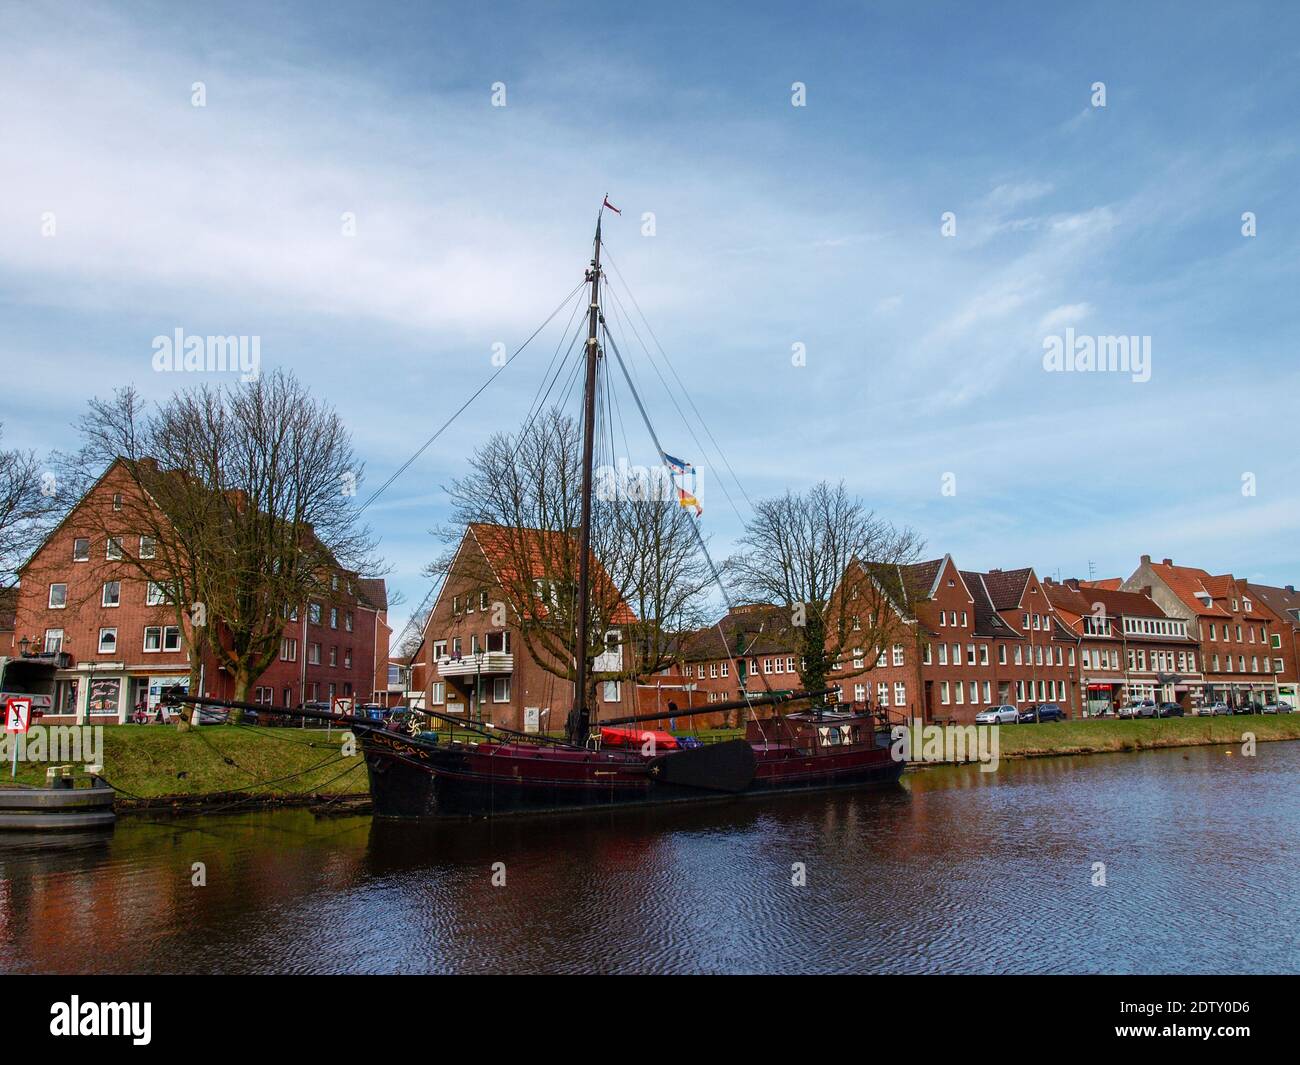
(998, 715)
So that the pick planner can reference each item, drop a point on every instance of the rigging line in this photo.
(722, 483)
(478, 392)
(649, 329)
(535, 413)
(704, 550)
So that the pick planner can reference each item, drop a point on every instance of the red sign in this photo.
(18, 715)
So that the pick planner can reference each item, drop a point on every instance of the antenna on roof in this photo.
(1092, 569)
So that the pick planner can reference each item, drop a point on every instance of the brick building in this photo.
(1284, 636)
(119, 640)
(1236, 653)
(476, 663)
(1129, 649)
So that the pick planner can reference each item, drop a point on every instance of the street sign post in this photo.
(18, 719)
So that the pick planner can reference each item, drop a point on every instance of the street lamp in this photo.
(24, 644)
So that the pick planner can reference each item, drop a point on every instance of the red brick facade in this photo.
(121, 643)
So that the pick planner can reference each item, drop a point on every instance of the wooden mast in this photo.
(579, 722)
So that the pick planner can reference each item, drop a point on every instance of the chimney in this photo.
(1146, 560)
(1072, 582)
(1147, 590)
(1167, 562)
(1291, 589)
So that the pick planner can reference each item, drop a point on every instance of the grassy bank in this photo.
(156, 764)
(1100, 735)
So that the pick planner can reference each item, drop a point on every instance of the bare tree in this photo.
(830, 562)
(647, 584)
(32, 500)
(251, 516)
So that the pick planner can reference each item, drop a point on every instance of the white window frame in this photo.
(64, 596)
(107, 629)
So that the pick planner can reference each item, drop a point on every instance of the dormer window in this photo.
(1245, 605)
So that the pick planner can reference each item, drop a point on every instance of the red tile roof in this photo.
(546, 553)
(1189, 583)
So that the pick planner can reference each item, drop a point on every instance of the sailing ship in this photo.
(603, 763)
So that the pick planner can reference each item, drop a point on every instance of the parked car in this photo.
(1142, 708)
(1042, 712)
(998, 715)
(1248, 708)
(1220, 709)
(1278, 708)
(1170, 710)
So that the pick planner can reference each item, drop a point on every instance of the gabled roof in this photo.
(501, 546)
(1191, 584)
(1006, 587)
(1106, 584)
(755, 629)
(988, 622)
(1283, 602)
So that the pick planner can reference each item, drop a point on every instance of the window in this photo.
(943, 618)
(882, 694)
(713, 669)
(313, 613)
(113, 548)
(264, 696)
(117, 500)
(1018, 655)
(438, 692)
(898, 654)
(53, 641)
(501, 690)
(960, 692)
(313, 654)
(81, 549)
(988, 693)
(778, 666)
(984, 654)
(334, 582)
(455, 647)
(171, 638)
(613, 691)
(483, 599)
(943, 692)
(900, 693)
(439, 649)
(767, 665)
(789, 664)
(112, 595)
(334, 655)
(148, 547)
(970, 654)
(469, 604)
(881, 657)
(943, 654)
(859, 693)
(974, 693)
(58, 596)
(288, 650)
(334, 617)
(1002, 654)
(153, 637)
(107, 641)
(103, 697)
(347, 620)
(963, 619)
(724, 669)
(347, 658)
(455, 604)
(154, 595)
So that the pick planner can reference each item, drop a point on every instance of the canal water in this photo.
(956, 870)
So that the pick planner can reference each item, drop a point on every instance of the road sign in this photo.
(18, 715)
(342, 706)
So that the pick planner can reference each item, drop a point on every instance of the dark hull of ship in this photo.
(410, 778)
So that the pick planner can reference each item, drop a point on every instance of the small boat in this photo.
(57, 808)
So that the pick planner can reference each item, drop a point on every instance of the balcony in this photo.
(484, 662)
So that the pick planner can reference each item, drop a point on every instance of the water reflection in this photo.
(955, 871)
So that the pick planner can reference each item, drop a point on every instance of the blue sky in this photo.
(775, 225)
